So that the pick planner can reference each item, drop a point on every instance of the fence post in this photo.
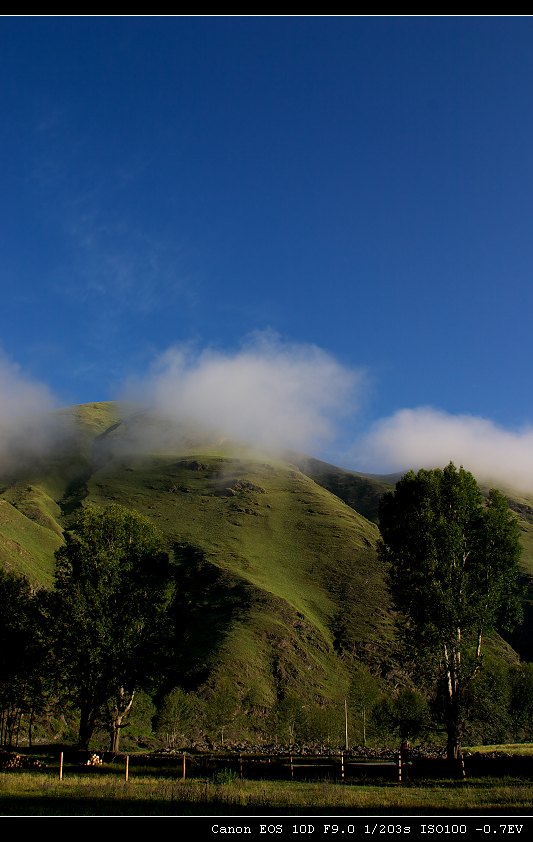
(292, 767)
(399, 767)
(61, 766)
(183, 767)
(342, 765)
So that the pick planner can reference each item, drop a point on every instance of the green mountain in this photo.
(282, 588)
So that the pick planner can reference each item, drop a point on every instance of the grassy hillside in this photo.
(360, 491)
(282, 590)
(33, 501)
(284, 569)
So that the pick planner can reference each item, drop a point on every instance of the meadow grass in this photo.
(27, 793)
(507, 748)
(26, 546)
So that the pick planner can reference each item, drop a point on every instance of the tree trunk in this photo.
(114, 735)
(87, 725)
(121, 708)
(453, 746)
(452, 661)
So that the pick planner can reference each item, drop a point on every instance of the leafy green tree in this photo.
(289, 719)
(406, 715)
(179, 717)
(15, 645)
(453, 573)
(24, 666)
(112, 580)
(487, 703)
(223, 710)
(141, 720)
(521, 702)
(363, 695)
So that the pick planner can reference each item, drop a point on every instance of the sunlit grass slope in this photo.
(27, 546)
(32, 500)
(300, 560)
(307, 559)
(288, 572)
(265, 522)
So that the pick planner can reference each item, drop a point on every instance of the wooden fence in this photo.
(340, 767)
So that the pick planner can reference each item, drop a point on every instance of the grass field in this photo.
(153, 791)
(37, 793)
(509, 748)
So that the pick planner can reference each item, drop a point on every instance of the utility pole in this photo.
(346, 724)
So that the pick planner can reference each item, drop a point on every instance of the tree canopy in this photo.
(22, 655)
(453, 572)
(111, 587)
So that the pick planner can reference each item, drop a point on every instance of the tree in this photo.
(406, 714)
(179, 717)
(487, 701)
(521, 702)
(453, 573)
(363, 694)
(112, 579)
(20, 655)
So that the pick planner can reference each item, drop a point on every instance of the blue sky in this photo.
(361, 186)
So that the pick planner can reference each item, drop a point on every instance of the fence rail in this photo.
(337, 767)
(340, 767)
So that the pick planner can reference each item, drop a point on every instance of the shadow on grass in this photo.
(51, 805)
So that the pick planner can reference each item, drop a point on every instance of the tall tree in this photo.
(521, 702)
(24, 662)
(112, 579)
(16, 660)
(453, 573)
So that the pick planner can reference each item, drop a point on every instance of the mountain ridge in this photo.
(283, 590)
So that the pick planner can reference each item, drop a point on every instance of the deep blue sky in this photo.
(362, 184)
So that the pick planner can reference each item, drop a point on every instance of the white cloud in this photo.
(25, 420)
(268, 393)
(427, 437)
(276, 396)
